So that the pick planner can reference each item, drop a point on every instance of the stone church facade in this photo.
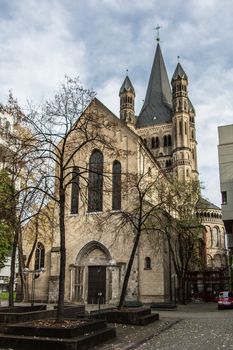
(161, 138)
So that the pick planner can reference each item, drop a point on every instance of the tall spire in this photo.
(157, 107)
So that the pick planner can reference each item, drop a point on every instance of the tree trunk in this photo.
(61, 293)
(128, 271)
(12, 269)
(182, 289)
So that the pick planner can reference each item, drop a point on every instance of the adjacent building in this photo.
(225, 153)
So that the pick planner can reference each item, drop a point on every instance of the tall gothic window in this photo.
(75, 191)
(39, 256)
(165, 141)
(95, 185)
(116, 185)
(157, 142)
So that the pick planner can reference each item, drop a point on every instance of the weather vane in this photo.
(127, 71)
(178, 57)
(157, 29)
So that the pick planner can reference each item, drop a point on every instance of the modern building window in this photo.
(224, 197)
(147, 263)
(116, 185)
(75, 191)
(95, 185)
(39, 256)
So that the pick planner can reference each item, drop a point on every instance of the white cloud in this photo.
(38, 49)
(98, 40)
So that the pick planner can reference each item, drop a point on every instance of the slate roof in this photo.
(191, 106)
(157, 107)
(179, 73)
(205, 204)
(127, 86)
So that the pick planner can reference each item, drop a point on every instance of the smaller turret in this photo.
(179, 90)
(127, 96)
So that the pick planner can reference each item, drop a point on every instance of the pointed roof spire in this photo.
(179, 72)
(157, 107)
(127, 86)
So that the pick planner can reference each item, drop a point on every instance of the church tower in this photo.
(184, 141)
(127, 96)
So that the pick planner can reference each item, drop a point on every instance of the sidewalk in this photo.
(131, 337)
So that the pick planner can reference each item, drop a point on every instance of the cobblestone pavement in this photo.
(191, 327)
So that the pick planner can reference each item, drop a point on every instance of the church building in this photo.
(163, 138)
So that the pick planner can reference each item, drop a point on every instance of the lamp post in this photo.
(174, 285)
(35, 274)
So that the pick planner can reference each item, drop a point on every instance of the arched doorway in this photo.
(91, 276)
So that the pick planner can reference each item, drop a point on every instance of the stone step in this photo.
(164, 306)
(144, 320)
(87, 341)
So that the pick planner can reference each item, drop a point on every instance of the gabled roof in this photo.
(179, 73)
(205, 204)
(157, 107)
(126, 86)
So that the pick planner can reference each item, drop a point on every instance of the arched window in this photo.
(215, 237)
(169, 140)
(224, 260)
(217, 261)
(75, 191)
(180, 128)
(116, 185)
(95, 185)
(157, 142)
(147, 263)
(152, 142)
(39, 256)
(165, 141)
(209, 261)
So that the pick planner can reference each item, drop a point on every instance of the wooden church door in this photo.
(96, 284)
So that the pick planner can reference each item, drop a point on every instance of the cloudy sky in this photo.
(97, 40)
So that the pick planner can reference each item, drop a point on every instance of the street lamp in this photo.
(174, 277)
(35, 274)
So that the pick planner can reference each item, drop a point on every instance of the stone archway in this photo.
(91, 277)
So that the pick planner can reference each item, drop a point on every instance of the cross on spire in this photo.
(157, 29)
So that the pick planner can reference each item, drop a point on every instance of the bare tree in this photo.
(61, 130)
(145, 204)
(22, 202)
(182, 230)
